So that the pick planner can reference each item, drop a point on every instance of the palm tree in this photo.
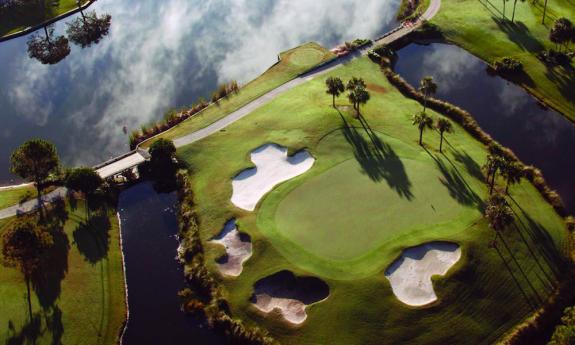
(428, 87)
(504, 2)
(444, 126)
(23, 245)
(334, 87)
(357, 92)
(494, 163)
(498, 213)
(422, 121)
(512, 172)
(544, 12)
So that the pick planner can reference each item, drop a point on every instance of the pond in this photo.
(153, 277)
(159, 55)
(538, 136)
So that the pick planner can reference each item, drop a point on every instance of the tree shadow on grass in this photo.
(47, 279)
(92, 238)
(564, 78)
(455, 183)
(33, 329)
(519, 34)
(377, 159)
(470, 164)
(28, 334)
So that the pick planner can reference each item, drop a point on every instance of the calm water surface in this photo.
(539, 137)
(159, 55)
(153, 276)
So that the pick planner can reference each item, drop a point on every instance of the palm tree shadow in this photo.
(519, 34)
(455, 183)
(377, 159)
(92, 238)
(470, 164)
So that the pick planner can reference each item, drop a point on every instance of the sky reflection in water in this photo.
(158, 55)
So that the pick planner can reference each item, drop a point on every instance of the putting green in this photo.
(382, 192)
(307, 57)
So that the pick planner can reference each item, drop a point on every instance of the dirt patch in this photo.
(376, 88)
(289, 295)
(238, 249)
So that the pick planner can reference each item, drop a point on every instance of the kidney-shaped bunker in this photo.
(288, 294)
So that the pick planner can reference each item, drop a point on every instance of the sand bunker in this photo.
(238, 249)
(289, 295)
(410, 275)
(273, 166)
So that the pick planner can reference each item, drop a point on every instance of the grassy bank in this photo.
(22, 17)
(10, 197)
(291, 63)
(478, 26)
(79, 296)
(371, 193)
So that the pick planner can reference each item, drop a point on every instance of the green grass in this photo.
(21, 18)
(292, 63)
(477, 27)
(81, 298)
(12, 197)
(486, 293)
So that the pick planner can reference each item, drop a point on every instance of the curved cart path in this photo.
(130, 160)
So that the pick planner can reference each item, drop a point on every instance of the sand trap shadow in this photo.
(288, 294)
(238, 249)
(273, 166)
(410, 274)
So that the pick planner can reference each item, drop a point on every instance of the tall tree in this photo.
(334, 87)
(428, 87)
(86, 181)
(34, 161)
(544, 12)
(88, 29)
(494, 163)
(504, 3)
(498, 213)
(512, 172)
(358, 93)
(423, 122)
(562, 32)
(23, 245)
(48, 50)
(443, 126)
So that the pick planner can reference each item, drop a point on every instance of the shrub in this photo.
(552, 57)
(508, 65)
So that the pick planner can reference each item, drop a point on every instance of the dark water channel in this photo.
(149, 226)
(539, 137)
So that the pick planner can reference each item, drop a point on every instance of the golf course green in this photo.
(371, 193)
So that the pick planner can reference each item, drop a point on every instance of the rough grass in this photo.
(21, 18)
(291, 63)
(87, 292)
(477, 26)
(10, 197)
(483, 296)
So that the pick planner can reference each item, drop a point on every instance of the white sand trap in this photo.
(273, 166)
(410, 275)
(291, 310)
(238, 249)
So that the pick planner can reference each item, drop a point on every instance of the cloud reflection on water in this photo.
(163, 54)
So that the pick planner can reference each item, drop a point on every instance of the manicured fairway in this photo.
(79, 296)
(374, 188)
(477, 26)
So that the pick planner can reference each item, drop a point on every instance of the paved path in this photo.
(136, 157)
(271, 95)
